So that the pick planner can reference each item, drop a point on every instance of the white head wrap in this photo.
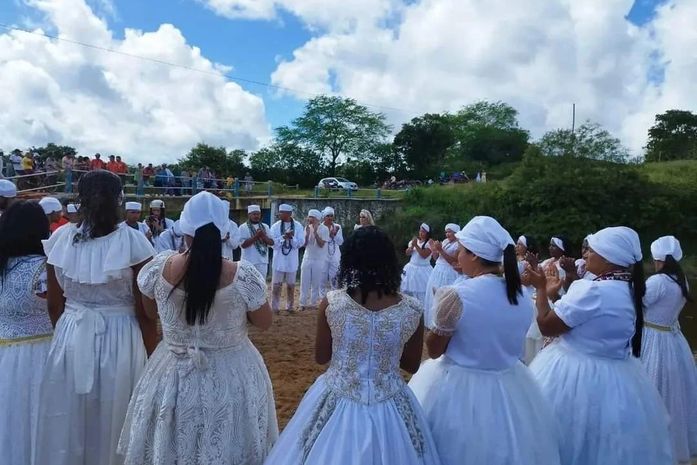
(327, 211)
(524, 241)
(7, 189)
(71, 208)
(425, 227)
(253, 208)
(315, 214)
(177, 228)
(664, 246)
(485, 237)
(452, 227)
(559, 243)
(157, 204)
(284, 207)
(133, 206)
(619, 245)
(50, 205)
(201, 209)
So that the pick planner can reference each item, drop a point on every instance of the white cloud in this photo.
(55, 91)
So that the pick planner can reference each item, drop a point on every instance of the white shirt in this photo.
(450, 248)
(251, 254)
(313, 251)
(16, 161)
(333, 251)
(142, 227)
(418, 260)
(167, 240)
(286, 260)
(232, 242)
(663, 301)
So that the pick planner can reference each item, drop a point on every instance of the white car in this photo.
(337, 183)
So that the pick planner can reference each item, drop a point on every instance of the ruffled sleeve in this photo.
(151, 272)
(96, 261)
(655, 289)
(448, 311)
(580, 303)
(251, 285)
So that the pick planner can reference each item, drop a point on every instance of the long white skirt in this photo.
(415, 279)
(74, 428)
(21, 370)
(607, 411)
(486, 417)
(667, 359)
(442, 275)
(330, 429)
(220, 411)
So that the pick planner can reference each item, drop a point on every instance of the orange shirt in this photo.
(121, 167)
(112, 166)
(97, 164)
(57, 224)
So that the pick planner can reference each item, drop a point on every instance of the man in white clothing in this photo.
(232, 239)
(132, 220)
(170, 239)
(288, 237)
(336, 239)
(255, 240)
(313, 271)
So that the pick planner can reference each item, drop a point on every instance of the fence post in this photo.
(269, 188)
(194, 184)
(236, 188)
(378, 193)
(349, 193)
(316, 191)
(68, 181)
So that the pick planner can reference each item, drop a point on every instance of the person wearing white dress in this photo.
(157, 219)
(205, 396)
(416, 273)
(481, 402)
(102, 335)
(526, 249)
(288, 238)
(313, 271)
(360, 411)
(170, 239)
(336, 240)
(443, 273)
(607, 411)
(231, 241)
(665, 353)
(132, 219)
(255, 240)
(25, 328)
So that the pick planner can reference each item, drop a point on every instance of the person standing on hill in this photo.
(288, 238)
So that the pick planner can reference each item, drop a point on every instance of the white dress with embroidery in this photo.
(205, 396)
(97, 353)
(482, 404)
(416, 273)
(360, 411)
(25, 337)
(667, 358)
(443, 274)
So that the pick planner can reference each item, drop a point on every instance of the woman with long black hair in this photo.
(102, 336)
(205, 396)
(665, 353)
(25, 328)
(481, 402)
(607, 411)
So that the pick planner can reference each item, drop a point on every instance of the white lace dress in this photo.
(443, 274)
(667, 358)
(360, 411)
(25, 337)
(97, 352)
(416, 273)
(205, 396)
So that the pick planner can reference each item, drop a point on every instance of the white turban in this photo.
(177, 228)
(202, 209)
(425, 227)
(50, 205)
(619, 245)
(485, 237)
(452, 227)
(327, 211)
(71, 208)
(523, 240)
(157, 204)
(133, 206)
(284, 207)
(253, 208)
(664, 246)
(7, 189)
(559, 243)
(315, 214)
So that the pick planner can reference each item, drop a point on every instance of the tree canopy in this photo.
(590, 140)
(218, 159)
(673, 137)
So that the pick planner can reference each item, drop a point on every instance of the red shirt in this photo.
(147, 172)
(112, 166)
(97, 164)
(57, 224)
(121, 167)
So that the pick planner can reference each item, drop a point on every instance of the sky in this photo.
(150, 79)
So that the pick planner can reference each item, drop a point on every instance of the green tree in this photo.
(218, 159)
(424, 141)
(673, 136)
(288, 164)
(590, 140)
(335, 128)
(55, 151)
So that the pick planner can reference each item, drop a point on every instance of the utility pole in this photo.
(573, 118)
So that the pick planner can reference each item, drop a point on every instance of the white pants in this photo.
(278, 278)
(284, 277)
(313, 275)
(333, 274)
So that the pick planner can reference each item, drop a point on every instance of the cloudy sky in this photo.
(244, 67)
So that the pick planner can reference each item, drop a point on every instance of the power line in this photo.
(176, 65)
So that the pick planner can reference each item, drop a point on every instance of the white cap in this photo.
(50, 205)
(452, 227)
(619, 245)
(133, 206)
(315, 214)
(559, 243)
(523, 240)
(425, 227)
(202, 209)
(664, 246)
(284, 207)
(7, 189)
(253, 208)
(71, 208)
(157, 203)
(485, 237)
(327, 211)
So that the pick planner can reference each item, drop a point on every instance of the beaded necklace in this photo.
(616, 275)
(287, 246)
(260, 245)
(331, 247)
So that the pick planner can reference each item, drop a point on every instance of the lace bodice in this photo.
(22, 312)
(367, 346)
(663, 301)
(226, 326)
